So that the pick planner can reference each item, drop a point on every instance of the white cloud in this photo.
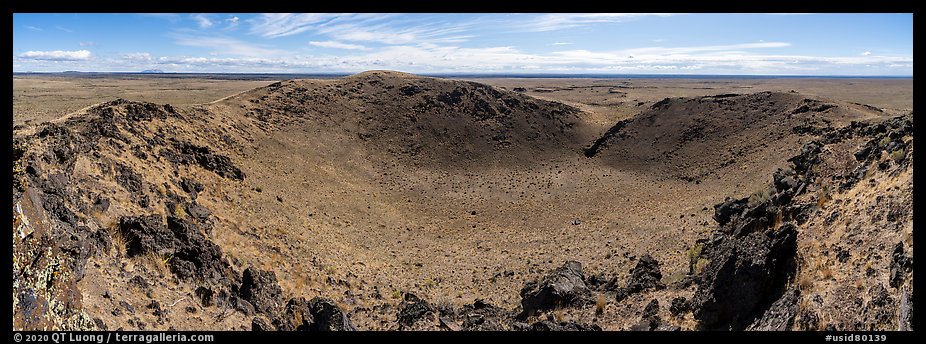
(274, 25)
(57, 55)
(362, 27)
(558, 21)
(138, 57)
(225, 45)
(561, 43)
(203, 21)
(87, 44)
(33, 28)
(338, 45)
(64, 29)
(867, 53)
(232, 22)
(707, 48)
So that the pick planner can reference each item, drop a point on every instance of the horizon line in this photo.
(487, 75)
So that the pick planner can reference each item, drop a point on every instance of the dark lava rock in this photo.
(410, 90)
(870, 150)
(261, 289)
(129, 180)
(101, 204)
(881, 310)
(296, 317)
(191, 186)
(101, 241)
(546, 325)
(723, 212)
(328, 317)
(198, 212)
(244, 306)
(563, 286)
(205, 296)
(196, 257)
(413, 309)
(808, 157)
(644, 276)
(784, 180)
(317, 315)
(259, 324)
(742, 274)
(187, 153)
(482, 316)
(780, 315)
(901, 264)
(139, 282)
(145, 234)
(651, 320)
(100, 325)
(191, 255)
(679, 306)
(128, 307)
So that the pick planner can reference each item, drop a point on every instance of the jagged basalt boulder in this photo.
(563, 286)
(260, 325)
(780, 315)
(901, 264)
(413, 309)
(180, 243)
(297, 316)
(644, 276)
(328, 317)
(187, 154)
(196, 256)
(145, 234)
(651, 320)
(482, 316)
(725, 211)
(742, 274)
(261, 289)
(679, 306)
(808, 157)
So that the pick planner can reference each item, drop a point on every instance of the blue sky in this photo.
(622, 43)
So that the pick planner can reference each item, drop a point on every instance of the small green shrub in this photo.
(898, 155)
(694, 254)
(884, 142)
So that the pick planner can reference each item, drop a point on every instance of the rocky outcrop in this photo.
(746, 283)
(780, 315)
(644, 276)
(319, 314)
(187, 153)
(413, 309)
(563, 286)
(260, 288)
(329, 317)
(743, 273)
(179, 242)
(901, 265)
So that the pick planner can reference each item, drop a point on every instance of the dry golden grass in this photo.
(823, 196)
(159, 263)
(599, 305)
(805, 282)
(779, 219)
